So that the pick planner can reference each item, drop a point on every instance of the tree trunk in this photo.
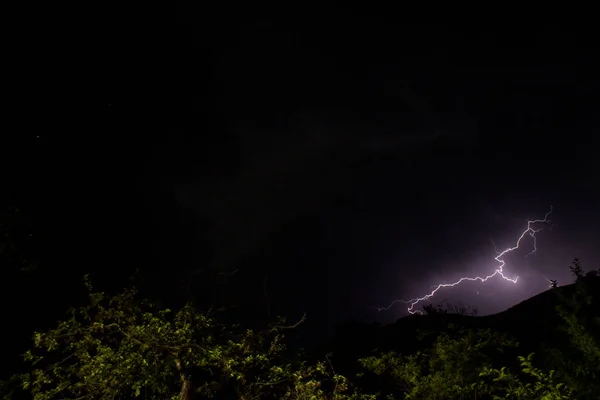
(188, 391)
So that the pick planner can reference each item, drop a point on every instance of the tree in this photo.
(532, 384)
(460, 367)
(592, 274)
(430, 309)
(122, 347)
(576, 269)
(442, 309)
(578, 364)
(447, 370)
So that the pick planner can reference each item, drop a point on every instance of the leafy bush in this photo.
(120, 346)
(454, 367)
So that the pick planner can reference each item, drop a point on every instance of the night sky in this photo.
(336, 166)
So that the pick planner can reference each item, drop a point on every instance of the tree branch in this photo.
(292, 326)
(138, 340)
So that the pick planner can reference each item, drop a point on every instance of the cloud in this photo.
(281, 177)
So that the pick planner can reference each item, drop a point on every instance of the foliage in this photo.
(534, 383)
(121, 347)
(576, 269)
(124, 347)
(578, 362)
(592, 274)
(448, 370)
(430, 309)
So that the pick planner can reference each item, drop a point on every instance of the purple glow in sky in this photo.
(533, 227)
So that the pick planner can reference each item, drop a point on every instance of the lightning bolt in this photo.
(531, 231)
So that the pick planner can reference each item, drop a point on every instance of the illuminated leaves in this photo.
(458, 367)
(120, 347)
(578, 362)
(533, 382)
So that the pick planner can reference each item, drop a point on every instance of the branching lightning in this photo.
(531, 231)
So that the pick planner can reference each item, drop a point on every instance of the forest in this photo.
(124, 343)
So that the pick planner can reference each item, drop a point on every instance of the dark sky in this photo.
(345, 163)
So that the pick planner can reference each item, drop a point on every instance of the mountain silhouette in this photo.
(534, 323)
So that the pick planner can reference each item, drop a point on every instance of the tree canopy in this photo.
(123, 347)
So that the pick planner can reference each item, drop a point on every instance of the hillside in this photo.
(534, 323)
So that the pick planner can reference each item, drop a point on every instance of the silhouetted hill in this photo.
(534, 323)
